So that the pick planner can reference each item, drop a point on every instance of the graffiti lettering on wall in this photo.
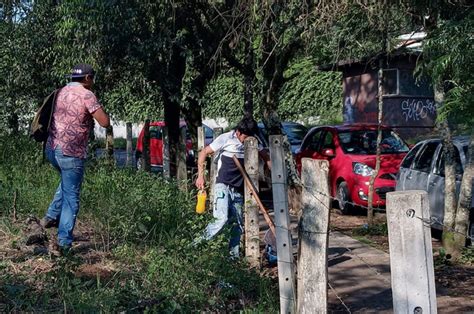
(417, 109)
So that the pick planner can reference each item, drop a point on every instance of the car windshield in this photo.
(295, 133)
(364, 142)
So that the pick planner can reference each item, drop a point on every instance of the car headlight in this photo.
(362, 169)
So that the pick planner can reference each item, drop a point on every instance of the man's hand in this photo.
(201, 160)
(200, 182)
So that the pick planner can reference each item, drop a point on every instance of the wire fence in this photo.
(432, 221)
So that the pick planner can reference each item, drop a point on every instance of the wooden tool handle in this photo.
(249, 184)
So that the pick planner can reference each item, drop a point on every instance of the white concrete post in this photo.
(201, 138)
(411, 256)
(282, 226)
(252, 231)
(313, 237)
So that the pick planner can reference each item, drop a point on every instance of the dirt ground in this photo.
(456, 281)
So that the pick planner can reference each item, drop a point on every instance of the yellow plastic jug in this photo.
(201, 202)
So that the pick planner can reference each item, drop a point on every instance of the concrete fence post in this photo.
(200, 138)
(313, 237)
(252, 230)
(282, 226)
(411, 256)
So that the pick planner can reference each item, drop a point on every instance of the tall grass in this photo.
(145, 226)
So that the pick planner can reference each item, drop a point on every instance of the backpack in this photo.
(39, 129)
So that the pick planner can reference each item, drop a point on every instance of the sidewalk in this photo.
(359, 276)
(359, 280)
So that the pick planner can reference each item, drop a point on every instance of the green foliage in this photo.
(448, 61)
(21, 186)
(224, 98)
(308, 95)
(357, 30)
(143, 226)
(311, 94)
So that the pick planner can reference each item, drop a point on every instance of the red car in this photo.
(351, 151)
(156, 144)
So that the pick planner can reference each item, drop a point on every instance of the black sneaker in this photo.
(47, 222)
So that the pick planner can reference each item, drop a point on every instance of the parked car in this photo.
(351, 152)
(423, 169)
(156, 144)
(293, 130)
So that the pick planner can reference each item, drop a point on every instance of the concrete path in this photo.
(359, 280)
(359, 276)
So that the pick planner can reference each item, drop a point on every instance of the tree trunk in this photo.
(464, 203)
(370, 197)
(450, 178)
(172, 110)
(249, 77)
(109, 143)
(129, 144)
(146, 146)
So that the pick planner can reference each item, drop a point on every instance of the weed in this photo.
(144, 223)
(374, 230)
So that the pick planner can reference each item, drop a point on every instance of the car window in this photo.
(312, 142)
(155, 132)
(425, 157)
(328, 141)
(364, 142)
(295, 133)
(208, 132)
(406, 163)
(457, 162)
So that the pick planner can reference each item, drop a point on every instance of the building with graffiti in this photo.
(408, 102)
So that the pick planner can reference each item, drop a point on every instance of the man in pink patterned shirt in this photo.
(76, 107)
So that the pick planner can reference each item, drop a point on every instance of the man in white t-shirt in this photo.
(228, 190)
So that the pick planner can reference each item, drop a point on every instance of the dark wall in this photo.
(411, 109)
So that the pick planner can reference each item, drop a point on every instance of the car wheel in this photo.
(343, 198)
(138, 160)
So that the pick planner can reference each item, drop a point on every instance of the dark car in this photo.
(423, 169)
(351, 152)
(294, 131)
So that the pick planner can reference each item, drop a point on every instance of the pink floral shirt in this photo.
(72, 120)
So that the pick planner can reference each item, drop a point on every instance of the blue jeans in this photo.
(227, 209)
(65, 205)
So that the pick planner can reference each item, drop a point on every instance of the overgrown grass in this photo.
(143, 227)
(119, 143)
(374, 230)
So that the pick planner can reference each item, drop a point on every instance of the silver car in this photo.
(423, 169)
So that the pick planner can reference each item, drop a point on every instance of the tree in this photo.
(450, 67)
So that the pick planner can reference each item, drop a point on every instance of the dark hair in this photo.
(78, 79)
(247, 126)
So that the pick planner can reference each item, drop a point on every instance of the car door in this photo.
(417, 177)
(328, 142)
(405, 167)
(436, 182)
(309, 147)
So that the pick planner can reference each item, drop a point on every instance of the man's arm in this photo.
(201, 160)
(266, 158)
(102, 118)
